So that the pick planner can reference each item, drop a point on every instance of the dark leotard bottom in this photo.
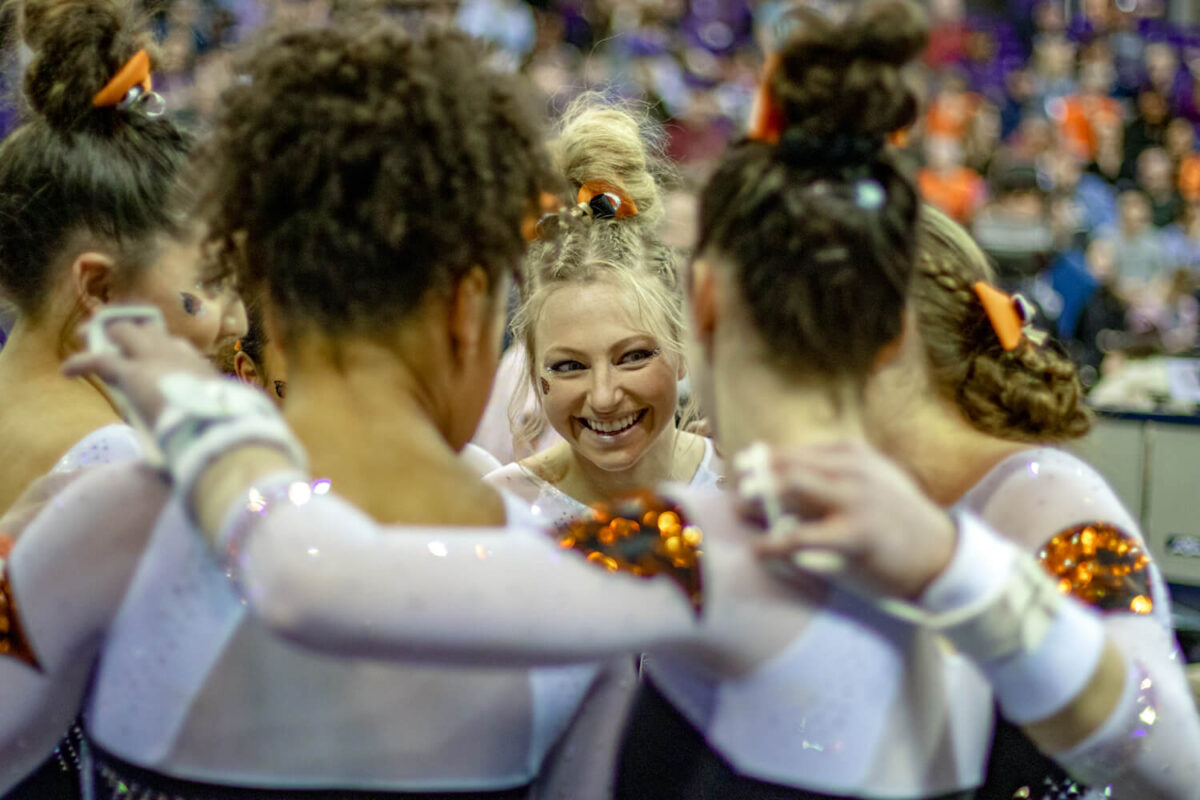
(58, 776)
(113, 779)
(664, 757)
(1016, 764)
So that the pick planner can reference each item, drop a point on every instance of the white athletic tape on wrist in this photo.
(760, 484)
(206, 417)
(997, 606)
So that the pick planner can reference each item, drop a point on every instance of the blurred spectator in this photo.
(1137, 248)
(1155, 177)
(1102, 316)
(1079, 115)
(1182, 240)
(1147, 129)
(946, 183)
(1013, 227)
(1094, 205)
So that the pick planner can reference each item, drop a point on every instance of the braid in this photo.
(1030, 393)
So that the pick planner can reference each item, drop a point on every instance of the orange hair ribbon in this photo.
(766, 117)
(1002, 312)
(136, 72)
(626, 207)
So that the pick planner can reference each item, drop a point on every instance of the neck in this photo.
(32, 356)
(944, 452)
(755, 403)
(664, 460)
(370, 423)
(370, 396)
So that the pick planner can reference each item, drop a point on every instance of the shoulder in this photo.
(1035, 494)
(515, 480)
(107, 445)
(711, 471)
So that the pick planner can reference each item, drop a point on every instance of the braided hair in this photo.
(1031, 393)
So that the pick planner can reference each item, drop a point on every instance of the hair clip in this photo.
(151, 104)
(868, 194)
(135, 72)
(1011, 316)
(604, 200)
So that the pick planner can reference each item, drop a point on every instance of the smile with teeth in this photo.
(612, 427)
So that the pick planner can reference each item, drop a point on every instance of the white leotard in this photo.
(191, 685)
(555, 506)
(39, 709)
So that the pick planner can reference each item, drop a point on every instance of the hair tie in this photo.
(839, 150)
(531, 226)
(604, 200)
(1011, 316)
(131, 84)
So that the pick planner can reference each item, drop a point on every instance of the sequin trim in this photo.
(13, 641)
(644, 535)
(1101, 565)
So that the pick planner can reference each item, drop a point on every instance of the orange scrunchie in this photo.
(136, 72)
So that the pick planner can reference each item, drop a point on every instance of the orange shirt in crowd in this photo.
(1077, 120)
(950, 113)
(958, 192)
(1189, 178)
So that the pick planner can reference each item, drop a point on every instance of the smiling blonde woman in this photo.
(601, 323)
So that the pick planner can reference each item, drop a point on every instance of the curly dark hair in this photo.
(353, 169)
(74, 169)
(821, 227)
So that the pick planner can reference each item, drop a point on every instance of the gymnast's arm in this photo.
(63, 582)
(1103, 694)
(325, 575)
(1133, 725)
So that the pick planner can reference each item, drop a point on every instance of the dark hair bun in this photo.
(78, 46)
(846, 78)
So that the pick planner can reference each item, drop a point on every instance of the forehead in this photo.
(177, 258)
(588, 317)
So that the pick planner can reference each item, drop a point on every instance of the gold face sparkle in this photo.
(643, 534)
(1102, 565)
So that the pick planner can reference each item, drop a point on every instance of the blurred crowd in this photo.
(1063, 134)
(1068, 145)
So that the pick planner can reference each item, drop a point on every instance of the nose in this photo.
(234, 323)
(605, 394)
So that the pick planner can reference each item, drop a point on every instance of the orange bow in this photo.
(626, 207)
(766, 117)
(1002, 312)
(136, 72)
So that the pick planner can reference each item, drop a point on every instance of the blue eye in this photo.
(638, 356)
(191, 303)
(563, 367)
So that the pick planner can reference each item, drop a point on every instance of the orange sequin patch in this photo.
(1101, 565)
(13, 642)
(643, 534)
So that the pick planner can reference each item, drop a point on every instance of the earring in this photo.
(545, 385)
